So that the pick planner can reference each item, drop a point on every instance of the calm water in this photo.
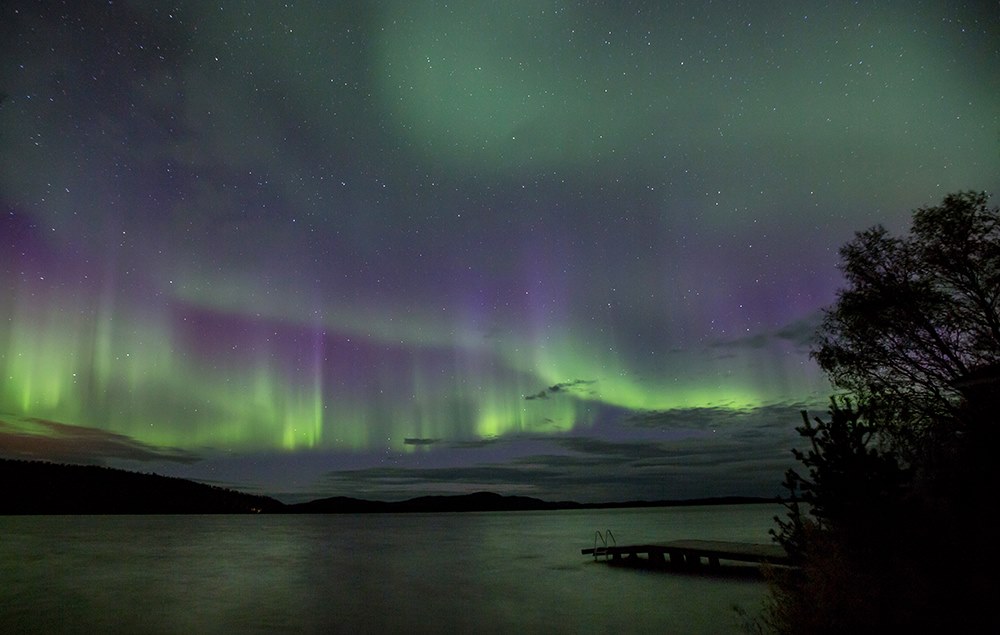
(414, 573)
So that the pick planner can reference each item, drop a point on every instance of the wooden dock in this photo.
(690, 553)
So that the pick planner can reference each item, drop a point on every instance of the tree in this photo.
(919, 314)
(844, 518)
(851, 487)
(891, 534)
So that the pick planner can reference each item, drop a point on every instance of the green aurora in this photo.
(555, 248)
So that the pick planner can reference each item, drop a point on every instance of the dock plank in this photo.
(744, 551)
(690, 552)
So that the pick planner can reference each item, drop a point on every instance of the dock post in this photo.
(656, 557)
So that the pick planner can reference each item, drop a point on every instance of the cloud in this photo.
(771, 415)
(420, 441)
(41, 439)
(726, 453)
(618, 472)
(800, 334)
(564, 387)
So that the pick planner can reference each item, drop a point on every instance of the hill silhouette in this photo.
(477, 502)
(37, 487)
(490, 502)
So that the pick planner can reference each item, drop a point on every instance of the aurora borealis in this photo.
(563, 249)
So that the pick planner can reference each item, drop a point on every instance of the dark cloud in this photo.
(675, 473)
(419, 441)
(613, 451)
(742, 453)
(801, 334)
(770, 416)
(476, 443)
(59, 442)
(564, 387)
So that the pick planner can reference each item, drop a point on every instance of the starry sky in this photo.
(573, 250)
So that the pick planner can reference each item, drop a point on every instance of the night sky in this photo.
(559, 249)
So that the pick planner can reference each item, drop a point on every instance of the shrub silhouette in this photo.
(887, 522)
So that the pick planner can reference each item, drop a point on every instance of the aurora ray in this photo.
(299, 241)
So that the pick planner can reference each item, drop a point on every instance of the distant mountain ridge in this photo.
(490, 501)
(477, 502)
(36, 487)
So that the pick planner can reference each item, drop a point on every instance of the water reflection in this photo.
(483, 572)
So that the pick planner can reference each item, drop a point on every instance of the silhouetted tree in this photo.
(852, 487)
(919, 314)
(886, 523)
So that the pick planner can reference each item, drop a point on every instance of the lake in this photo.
(399, 573)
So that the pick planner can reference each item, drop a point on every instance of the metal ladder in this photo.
(604, 538)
